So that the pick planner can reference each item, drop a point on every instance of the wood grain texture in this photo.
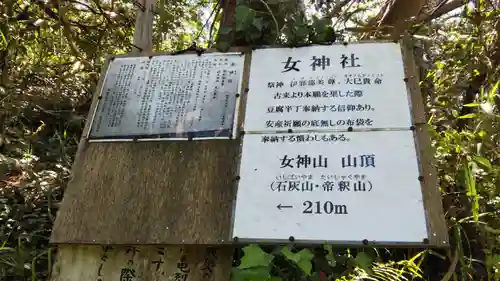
(149, 263)
(139, 193)
(436, 224)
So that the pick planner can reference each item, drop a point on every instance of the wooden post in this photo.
(143, 30)
(148, 210)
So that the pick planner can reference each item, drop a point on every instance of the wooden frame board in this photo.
(125, 193)
(437, 230)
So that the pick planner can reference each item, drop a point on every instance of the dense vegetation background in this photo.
(51, 54)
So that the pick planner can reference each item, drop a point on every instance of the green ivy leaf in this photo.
(260, 273)
(237, 274)
(364, 261)
(289, 255)
(254, 257)
(244, 17)
(483, 162)
(320, 25)
(242, 12)
(330, 257)
(302, 259)
(306, 266)
(302, 31)
(258, 23)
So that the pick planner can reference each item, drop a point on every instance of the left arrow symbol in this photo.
(280, 207)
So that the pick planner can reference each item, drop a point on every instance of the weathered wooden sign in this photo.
(327, 88)
(169, 97)
(336, 150)
(145, 263)
(181, 190)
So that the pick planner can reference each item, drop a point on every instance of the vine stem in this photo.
(274, 19)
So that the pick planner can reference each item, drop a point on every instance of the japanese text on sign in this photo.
(330, 88)
(169, 96)
(345, 184)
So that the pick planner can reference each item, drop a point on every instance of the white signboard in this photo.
(327, 88)
(179, 97)
(337, 187)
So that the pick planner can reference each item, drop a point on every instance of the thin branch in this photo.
(343, 13)
(214, 10)
(274, 19)
(337, 9)
(102, 11)
(85, 5)
(444, 9)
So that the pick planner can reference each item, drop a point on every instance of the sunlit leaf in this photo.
(468, 116)
(487, 107)
(302, 259)
(364, 261)
(470, 183)
(472, 105)
(250, 274)
(254, 256)
(483, 162)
